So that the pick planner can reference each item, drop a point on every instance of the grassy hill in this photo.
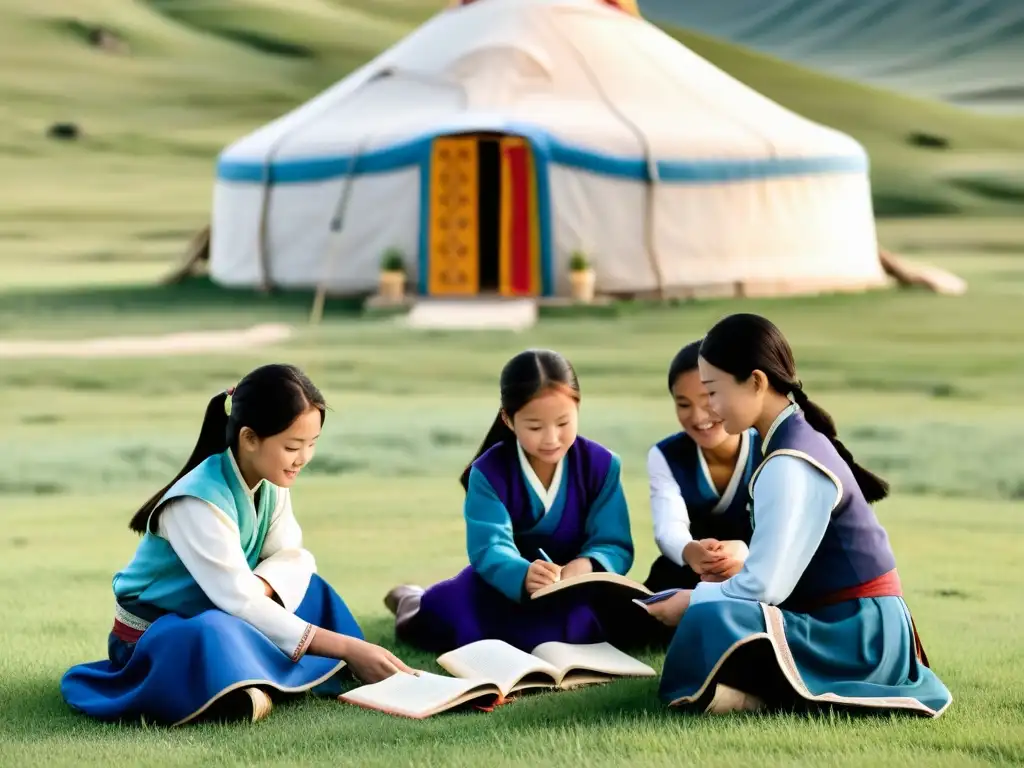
(970, 53)
(198, 74)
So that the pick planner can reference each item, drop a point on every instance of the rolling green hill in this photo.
(198, 74)
(969, 53)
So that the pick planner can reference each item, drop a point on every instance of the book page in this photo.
(601, 582)
(497, 661)
(418, 697)
(603, 658)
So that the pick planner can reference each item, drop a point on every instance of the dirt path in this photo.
(196, 342)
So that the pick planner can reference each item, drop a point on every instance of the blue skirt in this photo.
(180, 667)
(859, 655)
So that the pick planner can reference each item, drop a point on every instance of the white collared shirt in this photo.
(206, 541)
(547, 495)
(668, 507)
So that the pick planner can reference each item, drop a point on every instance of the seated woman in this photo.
(541, 504)
(815, 618)
(221, 605)
(698, 480)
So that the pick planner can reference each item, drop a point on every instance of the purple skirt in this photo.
(465, 609)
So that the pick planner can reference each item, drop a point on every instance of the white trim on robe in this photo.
(737, 474)
(546, 495)
(788, 411)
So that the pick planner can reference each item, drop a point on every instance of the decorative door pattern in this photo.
(454, 243)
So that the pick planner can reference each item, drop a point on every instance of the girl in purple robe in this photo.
(816, 617)
(542, 504)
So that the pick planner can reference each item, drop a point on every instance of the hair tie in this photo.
(227, 400)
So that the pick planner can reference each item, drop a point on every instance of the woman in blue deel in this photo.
(815, 618)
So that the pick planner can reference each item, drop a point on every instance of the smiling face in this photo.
(737, 403)
(546, 426)
(278, 459)
(693, 412)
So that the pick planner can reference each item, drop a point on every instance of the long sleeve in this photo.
(284, 563)
(206, 541)
(489, 540)
(793, 504)
(609, 541)
(668, 508)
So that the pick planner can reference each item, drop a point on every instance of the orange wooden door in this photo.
(454, 218)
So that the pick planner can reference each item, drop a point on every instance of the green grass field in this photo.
(926, 390)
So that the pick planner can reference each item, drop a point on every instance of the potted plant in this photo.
(392, 275)
(581, 278)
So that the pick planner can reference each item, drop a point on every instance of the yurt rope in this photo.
(338, 219)
(652, 164)
(262, 247)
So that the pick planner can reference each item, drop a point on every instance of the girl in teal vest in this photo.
(221, 607)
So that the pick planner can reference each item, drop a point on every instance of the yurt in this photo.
(503, 138)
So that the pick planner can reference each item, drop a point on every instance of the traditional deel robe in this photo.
(686, 506)
(816, 618)
(192, 622)
(510, 517)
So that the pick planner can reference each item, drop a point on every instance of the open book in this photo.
(606, 585)
(489, 670)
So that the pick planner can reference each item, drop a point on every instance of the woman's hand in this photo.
(577, 567)
(732, 555)
(670, 611)
(733, 549)
(371, 663)
(703, 555)
(368, 662)
(541, 574)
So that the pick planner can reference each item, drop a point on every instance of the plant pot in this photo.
(582, 284)
(392, 286)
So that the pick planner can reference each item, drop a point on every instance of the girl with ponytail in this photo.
(819, 587)
(542, 504)
(221, 602)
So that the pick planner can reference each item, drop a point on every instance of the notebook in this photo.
(605, 585)
(488, 671)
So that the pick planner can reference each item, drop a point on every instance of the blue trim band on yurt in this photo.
(547, 150)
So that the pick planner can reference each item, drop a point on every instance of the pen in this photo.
(545, 556)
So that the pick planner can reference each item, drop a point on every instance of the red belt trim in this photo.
(886, 585)
(123, 632)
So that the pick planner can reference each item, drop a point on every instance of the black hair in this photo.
(743, 343)
(684, 362)
(267, 401)
(524, 377)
